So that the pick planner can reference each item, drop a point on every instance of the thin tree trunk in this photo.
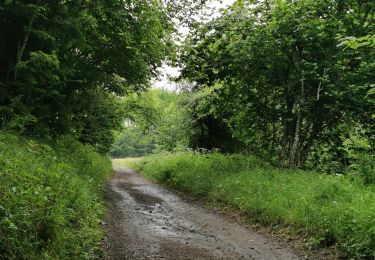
(22, 46)
(273, 140)
(293, 156)
(284, 150)
(295, 149)
(288, 132)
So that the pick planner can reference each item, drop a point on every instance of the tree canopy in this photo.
(283, 80)
(64, 63)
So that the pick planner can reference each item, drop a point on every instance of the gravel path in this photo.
(146, 221)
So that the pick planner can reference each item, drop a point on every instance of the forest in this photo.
(273, 114)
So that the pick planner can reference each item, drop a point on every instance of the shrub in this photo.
(50, 199)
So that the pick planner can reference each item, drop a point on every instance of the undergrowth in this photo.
(329, 210)
(51, 201)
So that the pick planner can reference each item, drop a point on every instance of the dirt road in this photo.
(146, 221)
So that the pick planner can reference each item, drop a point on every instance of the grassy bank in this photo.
(330, 210)
(51, 200)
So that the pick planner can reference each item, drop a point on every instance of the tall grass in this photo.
(128, 162)
(50, 199)
(330, 210)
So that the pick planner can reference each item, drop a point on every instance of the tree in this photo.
(283, 81)
(62, 60)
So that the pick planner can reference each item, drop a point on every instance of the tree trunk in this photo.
(294, 151)
(288, 128)
(22, 46)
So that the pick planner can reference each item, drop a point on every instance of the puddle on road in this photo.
(140, 197)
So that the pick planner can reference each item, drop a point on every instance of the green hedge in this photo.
(51, 201)
(327, 209)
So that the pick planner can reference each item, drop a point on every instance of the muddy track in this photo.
(146, 221)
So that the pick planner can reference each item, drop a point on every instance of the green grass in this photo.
(128, 162)
(329, 210)
(51, 202)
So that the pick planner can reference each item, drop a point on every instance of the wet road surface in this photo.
(147, 221)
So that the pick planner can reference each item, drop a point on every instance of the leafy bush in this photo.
(326, 209)
(50, 199)
(362, 159)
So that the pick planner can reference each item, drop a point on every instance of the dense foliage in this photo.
(64, 63)
(291, 79)
(51, 201)
(162, 120)
(323, 210)
(157, 120)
